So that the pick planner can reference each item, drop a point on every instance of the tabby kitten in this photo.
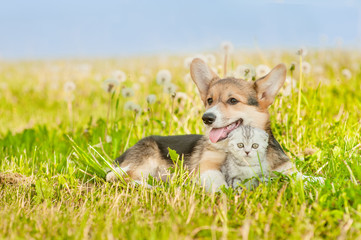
(246, 158)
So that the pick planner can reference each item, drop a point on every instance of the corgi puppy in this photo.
(229, 103)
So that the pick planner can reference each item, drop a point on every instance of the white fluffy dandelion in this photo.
(181, 97)
(346, 73)
(187, 78)
(187, 62)
(306, 67)
(302, 51)
(262, 70)
(137, 109)
(108, 139)
(211, 59)
(127, 92)
(110, 85)
(142, 79)
(290, 84)
(227, 47)
(246, 72)
(3, 86)
(69, 86)
(170, 88)
(163, 77)
(119, 75)
(151, 98)
(202, 57)
(131, 106)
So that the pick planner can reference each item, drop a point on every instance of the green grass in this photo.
(52, 167)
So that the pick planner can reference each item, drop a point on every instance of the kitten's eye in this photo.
(232, 101)
(255, 145)
(210, 101)
(240, 145)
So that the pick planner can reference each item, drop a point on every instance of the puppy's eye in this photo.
(232, 101)
(240, 145)
(255, 145)
(210, 101)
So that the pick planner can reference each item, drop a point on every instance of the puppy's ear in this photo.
(202, 75)
(268, 86)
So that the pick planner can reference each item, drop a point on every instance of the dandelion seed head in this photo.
(246, 72)
(346, 73)
(187, 78)
(202, 57)
(137, 109)
(84, 68)
(187, 62)
(142, 79)
(318, 69)
(181, 97)
(108, 139)
(110, 85)
(136, 86)
(3, 86)
(119, 75)
(151, 98)
(290, 84)
(131, 106)
(69, 86)
(306, 67)
(127, 92)
(170, 88)
(262, 70)
(302, 51)
(227, 47)
(163, 77)
(211, 59)
(231, 74)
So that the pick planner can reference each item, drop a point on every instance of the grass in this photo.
(53, 162)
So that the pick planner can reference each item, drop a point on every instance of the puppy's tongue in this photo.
(217, 134)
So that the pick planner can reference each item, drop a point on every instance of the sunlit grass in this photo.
(54, 159)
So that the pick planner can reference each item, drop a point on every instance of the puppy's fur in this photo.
(249, 106)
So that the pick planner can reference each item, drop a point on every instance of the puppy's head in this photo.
(230, 102)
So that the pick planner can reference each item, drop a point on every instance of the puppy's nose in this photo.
(208, 118)
(247, 153)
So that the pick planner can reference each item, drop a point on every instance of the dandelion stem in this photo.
(225, 64)
(299, 93)
(171, 116)
(70, 110)
(291, 84)
(108, 114)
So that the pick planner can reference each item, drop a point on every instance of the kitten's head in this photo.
(246, 142)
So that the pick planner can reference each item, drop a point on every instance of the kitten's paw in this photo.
(111, 177)
(212, 181)
(141, 183)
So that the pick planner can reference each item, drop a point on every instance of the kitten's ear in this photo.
(268, 86)
(202, 75)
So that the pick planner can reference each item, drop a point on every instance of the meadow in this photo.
(62, 121)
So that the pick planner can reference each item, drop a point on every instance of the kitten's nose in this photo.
(246, 152)
(208, 118)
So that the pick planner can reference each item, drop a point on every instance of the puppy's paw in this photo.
(113, 176)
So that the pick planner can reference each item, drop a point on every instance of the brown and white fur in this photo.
(229, 102)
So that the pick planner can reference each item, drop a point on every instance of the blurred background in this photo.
(42, 29)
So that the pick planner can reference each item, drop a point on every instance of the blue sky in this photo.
(86, 28)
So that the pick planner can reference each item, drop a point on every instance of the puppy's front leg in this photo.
(212, 180)
(210, 175)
